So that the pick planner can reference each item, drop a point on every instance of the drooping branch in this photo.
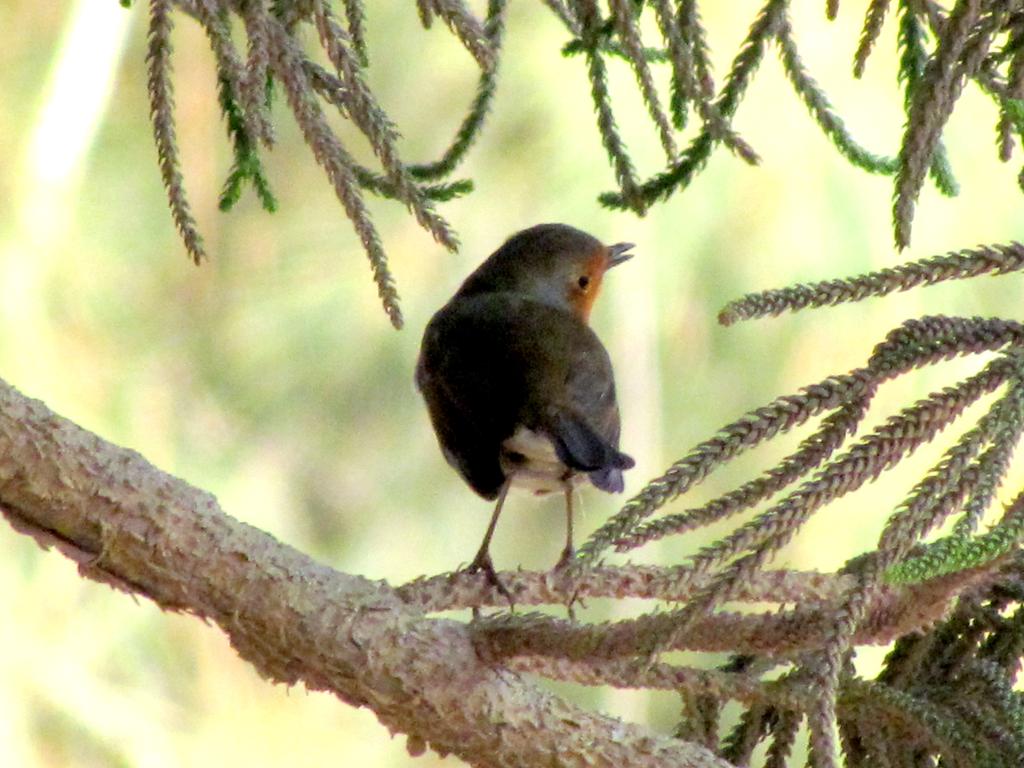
(977, 41)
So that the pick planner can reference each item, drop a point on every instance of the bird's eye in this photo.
(583, 282)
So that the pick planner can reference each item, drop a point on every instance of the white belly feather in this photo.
(531, 459)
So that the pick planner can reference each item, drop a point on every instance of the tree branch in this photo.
(128, 524)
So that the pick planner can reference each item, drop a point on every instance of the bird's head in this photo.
(552, 263)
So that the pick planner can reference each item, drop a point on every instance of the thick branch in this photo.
(127, 523)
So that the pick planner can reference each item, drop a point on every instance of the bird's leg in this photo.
(482, 561)
(569, 550)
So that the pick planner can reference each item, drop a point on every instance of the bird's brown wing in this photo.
(585, 423)
(473, 381)
(494, 362)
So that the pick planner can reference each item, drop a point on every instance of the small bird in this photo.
(520, 390)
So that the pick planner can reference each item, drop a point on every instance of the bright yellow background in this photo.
(271, 377)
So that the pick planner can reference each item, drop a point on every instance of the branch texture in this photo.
(130, 525)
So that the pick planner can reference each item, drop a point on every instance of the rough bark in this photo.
(141, 530)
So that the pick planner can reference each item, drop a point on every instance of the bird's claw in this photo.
(564, 568)
(483, 563)
(565, 559)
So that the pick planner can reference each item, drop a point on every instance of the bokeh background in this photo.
(271, 377)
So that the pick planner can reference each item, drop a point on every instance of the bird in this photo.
(519, 389)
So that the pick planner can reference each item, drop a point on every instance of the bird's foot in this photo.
(566, 557)
(483, 563)
(563, 568)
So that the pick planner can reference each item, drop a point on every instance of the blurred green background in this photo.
(271, 377)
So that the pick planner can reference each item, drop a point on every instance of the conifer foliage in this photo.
(950, 605)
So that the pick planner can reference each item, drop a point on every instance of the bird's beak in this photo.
(618, 253)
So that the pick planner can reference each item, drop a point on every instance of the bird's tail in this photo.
(610, 478)
(581, 448)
